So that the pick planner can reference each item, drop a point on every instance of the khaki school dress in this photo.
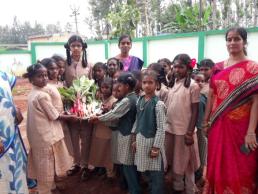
(46, 139)
(178, 154)
(58, 104)
(81, 132)
(100, 152)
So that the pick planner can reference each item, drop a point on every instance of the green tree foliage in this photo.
(99, 11)
(124, 20)
(163, 16)
(186, 18)
(151, 12)
(147, 17)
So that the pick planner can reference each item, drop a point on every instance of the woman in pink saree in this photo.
(130, 63)
(232, 114)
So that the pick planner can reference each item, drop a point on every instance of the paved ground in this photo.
(68, 185)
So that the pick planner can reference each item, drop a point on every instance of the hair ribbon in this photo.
(193, 63)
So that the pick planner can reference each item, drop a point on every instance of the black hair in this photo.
(72, 39)
(108, 81)
(242, 32)
(123, 37)
(159, 69)
(127, 78)
(47, 62)
(137, 75)
(97, 66)
(118, 62)
(195, 72)
(152, 73)
(184, 60)
(32, 70)
(166, 60)
(206, 63)
(58, 58)
(100, 65)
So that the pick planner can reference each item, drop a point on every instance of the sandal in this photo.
(74, 170)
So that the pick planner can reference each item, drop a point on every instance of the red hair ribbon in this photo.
(193, 63)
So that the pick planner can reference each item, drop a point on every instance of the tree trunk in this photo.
(158, 16)
(214, 13)
(147, 22)
(189, 3)
(255, 12)
(227, 13)
(246, 12)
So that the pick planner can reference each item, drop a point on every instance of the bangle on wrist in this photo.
(251, 134)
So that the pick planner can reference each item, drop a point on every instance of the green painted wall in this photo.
(145, 40)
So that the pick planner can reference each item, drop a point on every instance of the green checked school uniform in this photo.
(150, 132)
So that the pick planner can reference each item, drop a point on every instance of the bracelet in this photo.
(251, 134)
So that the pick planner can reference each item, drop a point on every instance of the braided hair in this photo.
(72, 39)
(127, 78)
(32, 70)
(184, 59)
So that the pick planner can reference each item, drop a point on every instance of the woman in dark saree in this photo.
(130, 63)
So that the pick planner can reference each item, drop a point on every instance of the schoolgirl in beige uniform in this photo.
(45, 133)
(81, 131)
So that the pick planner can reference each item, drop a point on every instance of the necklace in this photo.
(142, 105)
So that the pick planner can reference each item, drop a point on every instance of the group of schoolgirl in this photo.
(147, 121)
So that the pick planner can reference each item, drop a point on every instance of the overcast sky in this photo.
(44, 11)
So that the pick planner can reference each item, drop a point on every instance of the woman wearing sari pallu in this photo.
(232, 112)
(13, 158)
(130, 63)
